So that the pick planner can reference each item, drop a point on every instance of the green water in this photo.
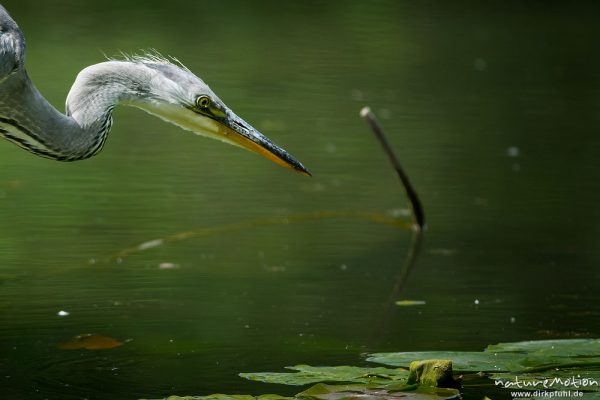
(494, 111)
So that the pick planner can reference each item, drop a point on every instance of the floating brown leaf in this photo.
(90, 341)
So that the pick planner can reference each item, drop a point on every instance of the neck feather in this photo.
(28, 120)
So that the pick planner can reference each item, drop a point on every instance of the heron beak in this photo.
(237, 132)
(227, 127)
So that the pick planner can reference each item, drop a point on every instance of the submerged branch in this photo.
(419, 217)
(418, 211)
(240, 226)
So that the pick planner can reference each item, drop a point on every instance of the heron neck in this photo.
(30, 121)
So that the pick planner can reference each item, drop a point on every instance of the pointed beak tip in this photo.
(297, 166)
(249, 138)
(304, 171)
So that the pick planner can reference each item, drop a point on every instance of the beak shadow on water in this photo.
(378, 218)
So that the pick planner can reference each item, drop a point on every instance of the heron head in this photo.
(178, 96)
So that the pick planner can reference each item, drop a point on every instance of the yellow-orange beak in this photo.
(237, 132)
(222, 124)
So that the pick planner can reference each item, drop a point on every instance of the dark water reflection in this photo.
(494, 112)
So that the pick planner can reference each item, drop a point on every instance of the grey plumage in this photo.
(152, 83)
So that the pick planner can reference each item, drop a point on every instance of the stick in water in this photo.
(418, 212)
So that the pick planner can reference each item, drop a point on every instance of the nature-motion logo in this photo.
(574, 382)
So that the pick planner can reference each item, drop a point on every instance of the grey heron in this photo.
(159, 86)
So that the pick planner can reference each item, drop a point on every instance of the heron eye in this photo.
(203, 101)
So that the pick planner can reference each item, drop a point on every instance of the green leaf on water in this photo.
(231, 397)
(321, 391)
(463, 361)
(337, 392)
(527, 356)
(586, 396)
(561, 348)
(531, 361)
(540, 355)
(409, 303)
(306, 374)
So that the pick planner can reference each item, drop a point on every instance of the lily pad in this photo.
(230, 397)
(586, 396)
(512, 357)
(337, 392)
(526, 362)
(306, 374)
(321, 391)
(463, 361)
(540, 363)
(409, 303)
(561, 348)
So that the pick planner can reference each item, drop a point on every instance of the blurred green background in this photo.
(493, 109)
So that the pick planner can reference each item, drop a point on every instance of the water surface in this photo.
(493, 111)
